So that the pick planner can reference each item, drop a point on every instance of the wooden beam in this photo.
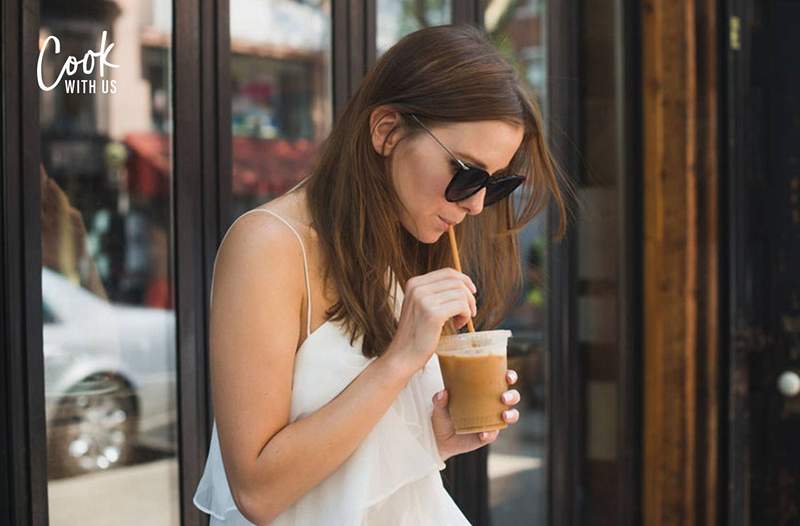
(670, 281)
(679, 87)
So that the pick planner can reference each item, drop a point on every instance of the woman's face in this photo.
(421, 169)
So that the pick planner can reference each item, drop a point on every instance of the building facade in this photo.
(657, 344)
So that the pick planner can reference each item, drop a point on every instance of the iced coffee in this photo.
(474, 372)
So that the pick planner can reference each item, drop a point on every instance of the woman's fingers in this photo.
(488, 436)
(443, 285)
(511, 416)
(456, 307)
(461, 293)
(441, 274)
(461, 321)
(511, 376)
(448, 289)
(511, 397)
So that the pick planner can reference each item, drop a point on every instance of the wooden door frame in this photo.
(684, 390)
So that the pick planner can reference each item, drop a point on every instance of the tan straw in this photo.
(457, 261)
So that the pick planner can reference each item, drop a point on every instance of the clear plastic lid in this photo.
(479, 342)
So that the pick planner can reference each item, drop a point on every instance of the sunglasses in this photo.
(469, 180)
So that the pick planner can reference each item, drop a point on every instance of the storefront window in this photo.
(598, 249)
(107, 288)
(399, 18)
(516, 462)
(281, 94)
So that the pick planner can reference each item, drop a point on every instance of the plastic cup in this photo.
(474, 372)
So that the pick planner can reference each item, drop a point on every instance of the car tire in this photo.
(93, 428)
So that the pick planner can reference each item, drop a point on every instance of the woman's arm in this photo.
(259, 286)
(307, 451)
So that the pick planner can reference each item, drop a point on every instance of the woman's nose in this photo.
(474, 203)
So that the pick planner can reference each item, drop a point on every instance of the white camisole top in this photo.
(392, 478)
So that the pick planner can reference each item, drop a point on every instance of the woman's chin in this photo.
(436, 235)
(428, 236)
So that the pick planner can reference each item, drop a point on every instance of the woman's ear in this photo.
(381, 122)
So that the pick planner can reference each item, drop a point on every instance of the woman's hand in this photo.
(429, 301)
(449, 442)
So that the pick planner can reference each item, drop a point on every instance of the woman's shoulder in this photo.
(284, 209)
(256, 236)
(258, 265)
(255, 227)
(292, 207)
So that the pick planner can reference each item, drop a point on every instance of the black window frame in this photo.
(22, 391)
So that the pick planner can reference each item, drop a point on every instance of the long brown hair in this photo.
(442, 74)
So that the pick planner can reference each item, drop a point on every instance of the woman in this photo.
(328, 302)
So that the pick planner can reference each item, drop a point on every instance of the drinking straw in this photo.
(457, 261)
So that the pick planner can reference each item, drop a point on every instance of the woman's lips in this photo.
(445, 224)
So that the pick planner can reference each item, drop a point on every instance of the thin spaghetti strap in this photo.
(292, 189)
(302, 247)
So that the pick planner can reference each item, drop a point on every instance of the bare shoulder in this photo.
(258, 233)
(259, 260)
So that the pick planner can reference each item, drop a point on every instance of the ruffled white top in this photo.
(392, 478)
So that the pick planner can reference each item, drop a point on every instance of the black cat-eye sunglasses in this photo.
(468, 180)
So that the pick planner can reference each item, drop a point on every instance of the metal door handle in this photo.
(789, 383)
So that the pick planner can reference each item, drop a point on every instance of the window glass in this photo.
(281, 107)
(109, 320)
(598, 249)
(395, 19)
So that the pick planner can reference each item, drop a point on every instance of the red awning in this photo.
(148, 164)
(260, 166)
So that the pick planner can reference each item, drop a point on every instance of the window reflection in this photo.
(108, 324)
(517, 474)
(598, 249)
(395, 19)
(281, 107)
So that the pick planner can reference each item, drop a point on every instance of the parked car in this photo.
(109, 378)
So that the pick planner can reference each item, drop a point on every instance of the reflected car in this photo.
(109, 378)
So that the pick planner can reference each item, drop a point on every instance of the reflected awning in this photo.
(260, 166)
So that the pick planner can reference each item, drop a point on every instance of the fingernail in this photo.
(506, 397)
(513, 376)
(506, 414)
(483, 436)
(439, 396)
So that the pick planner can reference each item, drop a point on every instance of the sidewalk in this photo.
(142, 494)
